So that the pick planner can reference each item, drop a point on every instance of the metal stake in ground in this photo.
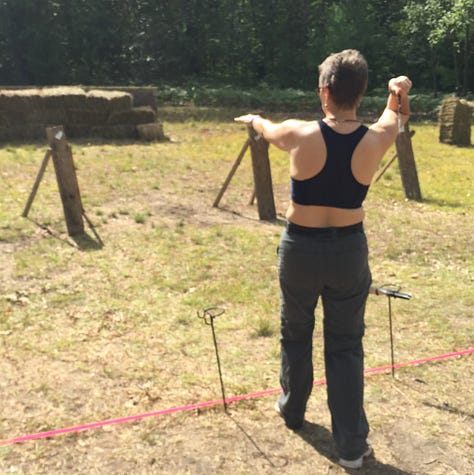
(208, 316)
(390, 293)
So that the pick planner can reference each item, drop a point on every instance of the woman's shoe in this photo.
(293, 425)
(357, 463)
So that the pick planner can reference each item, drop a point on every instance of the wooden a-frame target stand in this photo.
(263, 190)
(60, 152)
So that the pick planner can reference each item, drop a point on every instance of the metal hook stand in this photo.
(392, 357)
(208, 316)
(390, 293)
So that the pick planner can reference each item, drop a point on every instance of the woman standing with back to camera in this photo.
(323, 249)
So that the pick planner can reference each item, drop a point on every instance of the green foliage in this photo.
(241, 43)
(231, 96)
(444, 23)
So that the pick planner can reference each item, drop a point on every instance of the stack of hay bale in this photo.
(455, 121)
(25, 113)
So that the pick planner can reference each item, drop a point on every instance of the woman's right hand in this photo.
(246, 119)
(400, 85)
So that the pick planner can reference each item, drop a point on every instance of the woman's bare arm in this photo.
(396, 113)
(284, 135)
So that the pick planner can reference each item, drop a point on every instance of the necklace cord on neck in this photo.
(334, 119)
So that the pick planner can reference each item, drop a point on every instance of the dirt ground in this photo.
(415, 423)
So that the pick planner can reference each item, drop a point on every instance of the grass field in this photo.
(94, 329)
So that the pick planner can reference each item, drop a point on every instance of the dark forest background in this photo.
(275, 43)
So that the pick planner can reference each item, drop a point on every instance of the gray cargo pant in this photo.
(331, 263)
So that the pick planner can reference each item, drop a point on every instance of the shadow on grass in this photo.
(83, 241)
(279, 220)
(444, 203)
(451, 409)
(87, 243)
(321, 440)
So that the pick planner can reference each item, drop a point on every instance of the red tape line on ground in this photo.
(200, 405)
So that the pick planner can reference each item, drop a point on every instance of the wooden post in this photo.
(406, 163)
(67, 180)
(262, 176)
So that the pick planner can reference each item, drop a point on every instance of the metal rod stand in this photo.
(389, 298)
(390, 293)
(208, 316)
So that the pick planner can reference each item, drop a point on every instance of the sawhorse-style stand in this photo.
(60, 152)
(406, 163)
(261, 172)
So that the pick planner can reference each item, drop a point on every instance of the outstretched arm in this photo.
(283, 135)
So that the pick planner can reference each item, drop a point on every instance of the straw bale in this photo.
(14, 117)
(86, 116)
(25, 113)
(137, 115)
(63, 97)
(3, 119)
(75, 131)
(34, 117)
(20, 100)
(470, 104)
(151, 132)
(23, 133)
(50, 117)
(455, 122)
(141, 95)
(121, 131)
(111, 101)
(5, 134)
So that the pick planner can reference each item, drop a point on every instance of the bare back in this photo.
(309, 158)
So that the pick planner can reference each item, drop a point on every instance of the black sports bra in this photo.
(335, 184)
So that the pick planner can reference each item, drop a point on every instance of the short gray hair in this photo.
(346, 75)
